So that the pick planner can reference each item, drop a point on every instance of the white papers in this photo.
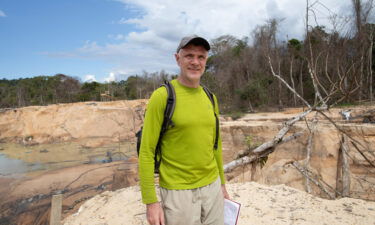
(231, 212)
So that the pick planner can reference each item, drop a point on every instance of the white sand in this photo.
(259, 205)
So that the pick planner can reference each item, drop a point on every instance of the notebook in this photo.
(231, 212)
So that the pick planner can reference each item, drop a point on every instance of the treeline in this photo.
(44, 90)
(325, 67)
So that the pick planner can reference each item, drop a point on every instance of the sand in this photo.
(259, 205)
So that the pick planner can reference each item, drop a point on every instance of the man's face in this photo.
(192, 62)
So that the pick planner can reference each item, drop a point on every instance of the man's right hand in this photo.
(155, 214)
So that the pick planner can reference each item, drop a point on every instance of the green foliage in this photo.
(40, 90)
(44, 90)
(318, 35)
(294, 44)
(239, 47)
(90, 91)
(262, 161)
(347, 104)
(131, 85)
(256, 90)
(251, 143)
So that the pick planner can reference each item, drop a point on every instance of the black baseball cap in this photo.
(193, 39)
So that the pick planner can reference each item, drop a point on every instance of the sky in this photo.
(109, 40)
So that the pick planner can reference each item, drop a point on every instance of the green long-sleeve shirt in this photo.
(188, 157)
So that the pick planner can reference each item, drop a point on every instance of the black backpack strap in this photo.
(169, 108)
(211, 97)
(167, 120)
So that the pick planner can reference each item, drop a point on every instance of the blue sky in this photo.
(31, 29)
(112, 39)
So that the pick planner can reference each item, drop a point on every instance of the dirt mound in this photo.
(259, 205)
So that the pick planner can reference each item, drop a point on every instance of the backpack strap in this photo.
(211, 97)
(167, 120)
(169, 109)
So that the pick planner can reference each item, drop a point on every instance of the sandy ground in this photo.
(259, 205)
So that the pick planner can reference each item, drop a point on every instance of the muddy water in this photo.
(19, 159)
(10, 167)
(30, 175)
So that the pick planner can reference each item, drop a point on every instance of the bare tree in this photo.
(340, 85)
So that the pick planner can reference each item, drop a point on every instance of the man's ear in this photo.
(177, 57)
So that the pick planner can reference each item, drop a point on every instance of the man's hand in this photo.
(224, 190)
(155, 214)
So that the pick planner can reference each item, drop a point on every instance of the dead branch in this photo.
(326, 70)
(286, 84)
(291, 137)
(284, 140)
(363, 154)
(308, 150)
(317, 92)
(239, 162)
(292, 80)
(306, 173)
(354, 142)
(316, 77)
(282, 132)
(260, 150)
(345, 168)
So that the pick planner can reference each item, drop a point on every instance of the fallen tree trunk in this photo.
(284, 140)
(308, 153)
(345, 168)
(264, 149)
(277, 139)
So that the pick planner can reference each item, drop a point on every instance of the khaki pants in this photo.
(204, 205)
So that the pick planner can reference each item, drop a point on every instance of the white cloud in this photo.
(118, 74)
(162, 23)
(110, 78)
(117, 37)
(2, 14)
(89, 78)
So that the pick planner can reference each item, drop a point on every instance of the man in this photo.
(192, 184)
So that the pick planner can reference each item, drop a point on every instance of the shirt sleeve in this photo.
(150, 135)
(219, 151)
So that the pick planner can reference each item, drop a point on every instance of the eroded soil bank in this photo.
(73, 148)
(79, 149)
